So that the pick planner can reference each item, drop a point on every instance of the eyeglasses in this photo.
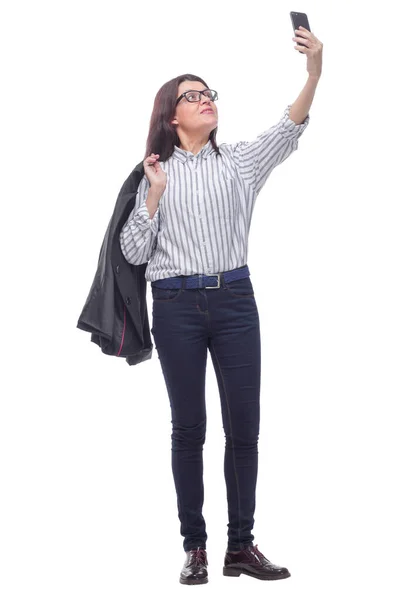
(195, 95)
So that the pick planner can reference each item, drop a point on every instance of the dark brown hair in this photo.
(162, 133)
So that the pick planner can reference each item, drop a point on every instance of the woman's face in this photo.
(189, 116)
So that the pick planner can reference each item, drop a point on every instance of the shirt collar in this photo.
(184, 155)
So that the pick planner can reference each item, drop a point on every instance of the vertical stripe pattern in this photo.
(203, 219)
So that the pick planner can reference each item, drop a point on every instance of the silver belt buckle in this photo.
(214, 287)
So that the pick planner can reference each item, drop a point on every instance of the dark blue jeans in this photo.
(186, 323)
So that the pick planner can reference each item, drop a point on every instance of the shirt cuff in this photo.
(143, 221)
(288, 128)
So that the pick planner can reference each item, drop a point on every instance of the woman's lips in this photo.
(204, 112)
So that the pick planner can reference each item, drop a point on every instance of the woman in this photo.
(191, 223)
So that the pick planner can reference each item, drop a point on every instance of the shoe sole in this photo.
(236, 572)
(193, 581)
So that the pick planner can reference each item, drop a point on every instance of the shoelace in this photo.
(258, 553)
(199, 556)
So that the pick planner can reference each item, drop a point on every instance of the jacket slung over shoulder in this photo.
(115, 312)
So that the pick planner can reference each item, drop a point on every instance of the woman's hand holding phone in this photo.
(307, 43)
(313, 50)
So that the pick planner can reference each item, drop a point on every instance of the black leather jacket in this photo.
(115, 312)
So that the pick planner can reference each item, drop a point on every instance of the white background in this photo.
(88, 505)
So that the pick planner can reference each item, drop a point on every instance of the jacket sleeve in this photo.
(138, 237)
(256, 160)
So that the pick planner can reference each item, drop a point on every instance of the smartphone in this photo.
(298, 19)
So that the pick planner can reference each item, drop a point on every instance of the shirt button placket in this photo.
(199, 215)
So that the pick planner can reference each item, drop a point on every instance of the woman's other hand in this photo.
(154, 173)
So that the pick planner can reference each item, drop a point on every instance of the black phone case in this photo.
(297, 20)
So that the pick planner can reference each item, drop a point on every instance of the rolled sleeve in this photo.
(288, 128)
(138, 237)
(143, 221)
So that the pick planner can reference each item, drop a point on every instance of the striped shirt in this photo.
(202, 222)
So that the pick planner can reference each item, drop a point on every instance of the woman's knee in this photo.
(185, 437)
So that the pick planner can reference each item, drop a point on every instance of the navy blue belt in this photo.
(202, 281)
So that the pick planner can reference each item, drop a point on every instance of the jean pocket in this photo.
(242, 288)
(165, 294)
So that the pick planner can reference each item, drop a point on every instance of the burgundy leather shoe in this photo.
(251, 562)
(195, 568)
